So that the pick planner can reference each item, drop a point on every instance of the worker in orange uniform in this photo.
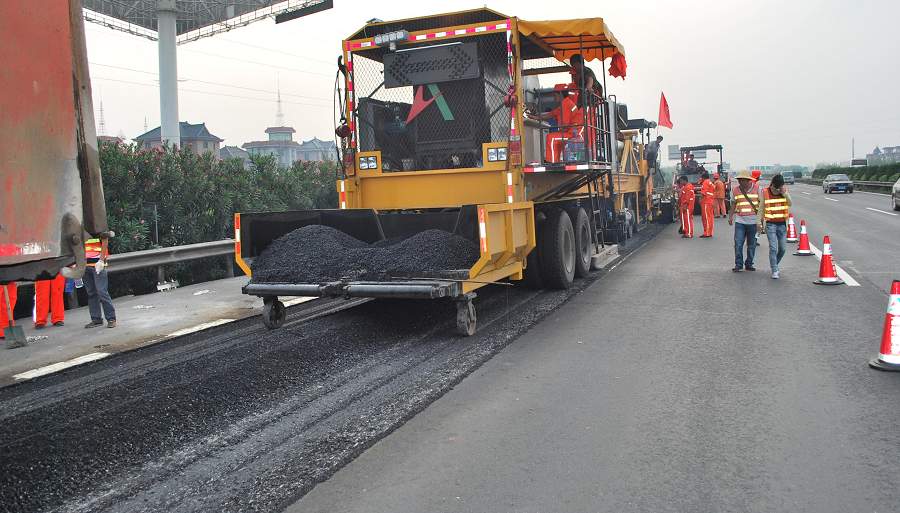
(569, 119)
(707, 202)
(49, 297)
(686, 207)
(720, 209)
(8, 290)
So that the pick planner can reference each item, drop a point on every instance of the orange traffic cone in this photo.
(803, 248)
(889, 356)
(791, 235)
(827, 273)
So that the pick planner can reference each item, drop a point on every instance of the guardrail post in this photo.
(229, 267)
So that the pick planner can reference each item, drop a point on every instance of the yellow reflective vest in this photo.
(744, 202)
(776, 207)
(94, 251)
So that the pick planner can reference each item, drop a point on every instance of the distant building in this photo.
(318, 150)
(196, 138)
(281, 144)
(233, 152)
(884, 155)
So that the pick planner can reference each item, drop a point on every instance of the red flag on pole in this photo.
(664, 118)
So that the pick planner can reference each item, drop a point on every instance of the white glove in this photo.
(99, 266)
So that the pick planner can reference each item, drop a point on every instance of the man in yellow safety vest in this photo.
(773, 220)
(96, 282)
(744, 207)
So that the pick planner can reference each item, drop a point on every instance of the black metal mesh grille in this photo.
(439, 125)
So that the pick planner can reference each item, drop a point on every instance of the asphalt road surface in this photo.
(864, 230)
(672, 385)
(238, 418)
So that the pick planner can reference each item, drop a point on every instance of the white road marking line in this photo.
(297, 301)
(875, 193)
(198, 327)
(882, 211)
(804, 192)
(831, 199)
(842, 274)
(56, 367)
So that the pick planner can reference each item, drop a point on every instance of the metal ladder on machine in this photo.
(598, 217)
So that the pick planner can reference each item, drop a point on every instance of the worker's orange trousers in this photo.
(719, 207)
(687, 222)
(11, 289)
(49, 297)
(709, 221)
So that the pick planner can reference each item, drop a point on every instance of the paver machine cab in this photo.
(433, 136)
(50, 187)
(695, 159)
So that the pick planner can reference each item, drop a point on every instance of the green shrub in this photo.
(195, 198)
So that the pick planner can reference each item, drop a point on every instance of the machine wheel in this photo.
(558, 251)
(583, 244)
(274, 313)
(465, 316)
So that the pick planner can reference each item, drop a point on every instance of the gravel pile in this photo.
(317, 253)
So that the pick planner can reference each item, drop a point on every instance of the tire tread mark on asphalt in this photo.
(54, 471)
(216, 339)
(340, 409)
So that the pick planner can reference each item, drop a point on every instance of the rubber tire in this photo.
(558, 251)
(466, 319)
(896, 206)
(851, 191)
(583, 244)
(274, 313)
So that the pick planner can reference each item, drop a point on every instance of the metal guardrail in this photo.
(856, 183)
(862, 183)
(173, 255)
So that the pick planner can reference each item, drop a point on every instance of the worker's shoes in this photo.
(59, 323)
(737, 269)
(775, 275)
(111, 324)
(750, 268)
(40, 326)
(93, 324)
(705, 236)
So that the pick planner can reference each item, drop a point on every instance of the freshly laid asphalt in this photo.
(672, 384)
(238, 418)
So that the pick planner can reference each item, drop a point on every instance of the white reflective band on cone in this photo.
(237, 234)
(826, 249)
(894, 307)
(890, 358)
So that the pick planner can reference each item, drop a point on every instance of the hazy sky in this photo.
(787, 81)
